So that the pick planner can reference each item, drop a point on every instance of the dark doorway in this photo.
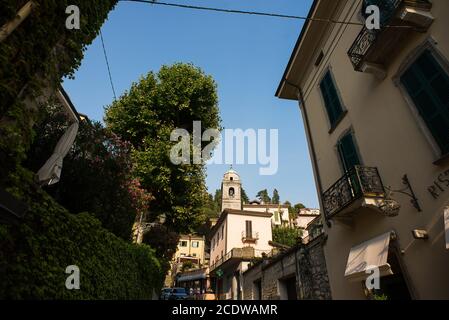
(394, 287)
(288, 288)
(257, 294)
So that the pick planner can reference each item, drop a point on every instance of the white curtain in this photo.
(50, 173)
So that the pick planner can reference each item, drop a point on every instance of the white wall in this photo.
(260, 225)
(219, 243)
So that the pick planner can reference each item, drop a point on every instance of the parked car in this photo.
(178, 294)
(165, 293)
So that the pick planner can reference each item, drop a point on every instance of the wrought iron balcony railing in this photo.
(356, 183)
(366, 39)
(250, 237)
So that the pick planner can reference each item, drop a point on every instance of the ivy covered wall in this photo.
(36, 250)
(35, 57)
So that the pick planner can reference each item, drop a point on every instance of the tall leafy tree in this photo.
(263, 196)
(146, 115)
(245, 198)
(275, 199)
(217, 199)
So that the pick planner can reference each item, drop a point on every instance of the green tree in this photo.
(291, 211)
(245, 198)
(275, 199)
(298, 207)
(146, 115)
(288, 236)
(217, 199)
(263, 196)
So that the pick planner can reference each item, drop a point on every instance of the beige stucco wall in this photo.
(388, 137)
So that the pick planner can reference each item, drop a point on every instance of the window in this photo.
(183, 243)
(195, 244)
(231, 192)
(193, 254)
(218, 236)
(331, 99)
(222, 232)
(348, 152)
(249, 229)
(213, 243)
(276, 216)
(427, 84)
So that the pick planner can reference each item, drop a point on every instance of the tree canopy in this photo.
(275, 199)
(288, 236)
(146, 115)
(263, 196)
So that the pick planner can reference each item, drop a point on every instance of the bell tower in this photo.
(231, 188)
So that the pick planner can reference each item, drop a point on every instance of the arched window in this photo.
(231, 192)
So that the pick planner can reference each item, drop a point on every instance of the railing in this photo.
(367, 37)
(356, 183)
(250, 237)
(238, 253)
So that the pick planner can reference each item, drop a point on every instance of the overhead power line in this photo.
(266, 14)
(256, 13)
(107, 64)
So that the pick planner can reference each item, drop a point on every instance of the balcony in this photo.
(235, 255)
(250, 237)
(359, 187)
(373, 49)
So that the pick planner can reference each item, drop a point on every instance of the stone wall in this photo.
(304, 263)
(249, 277)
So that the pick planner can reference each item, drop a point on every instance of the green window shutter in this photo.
(348, 152)
(331, 99)
(428, 86)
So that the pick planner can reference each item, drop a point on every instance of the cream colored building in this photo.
(279, 213)
(375, 106)
(191, 247)
(304, 218)
(238, 237)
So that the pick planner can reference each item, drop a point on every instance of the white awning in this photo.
(50, 172)
(446, 226)
(368, 255)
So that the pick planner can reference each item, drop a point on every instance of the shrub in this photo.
(35, 253)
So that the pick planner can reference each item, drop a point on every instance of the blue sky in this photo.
(245, 54)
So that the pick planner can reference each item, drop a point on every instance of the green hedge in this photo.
(35, 253)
